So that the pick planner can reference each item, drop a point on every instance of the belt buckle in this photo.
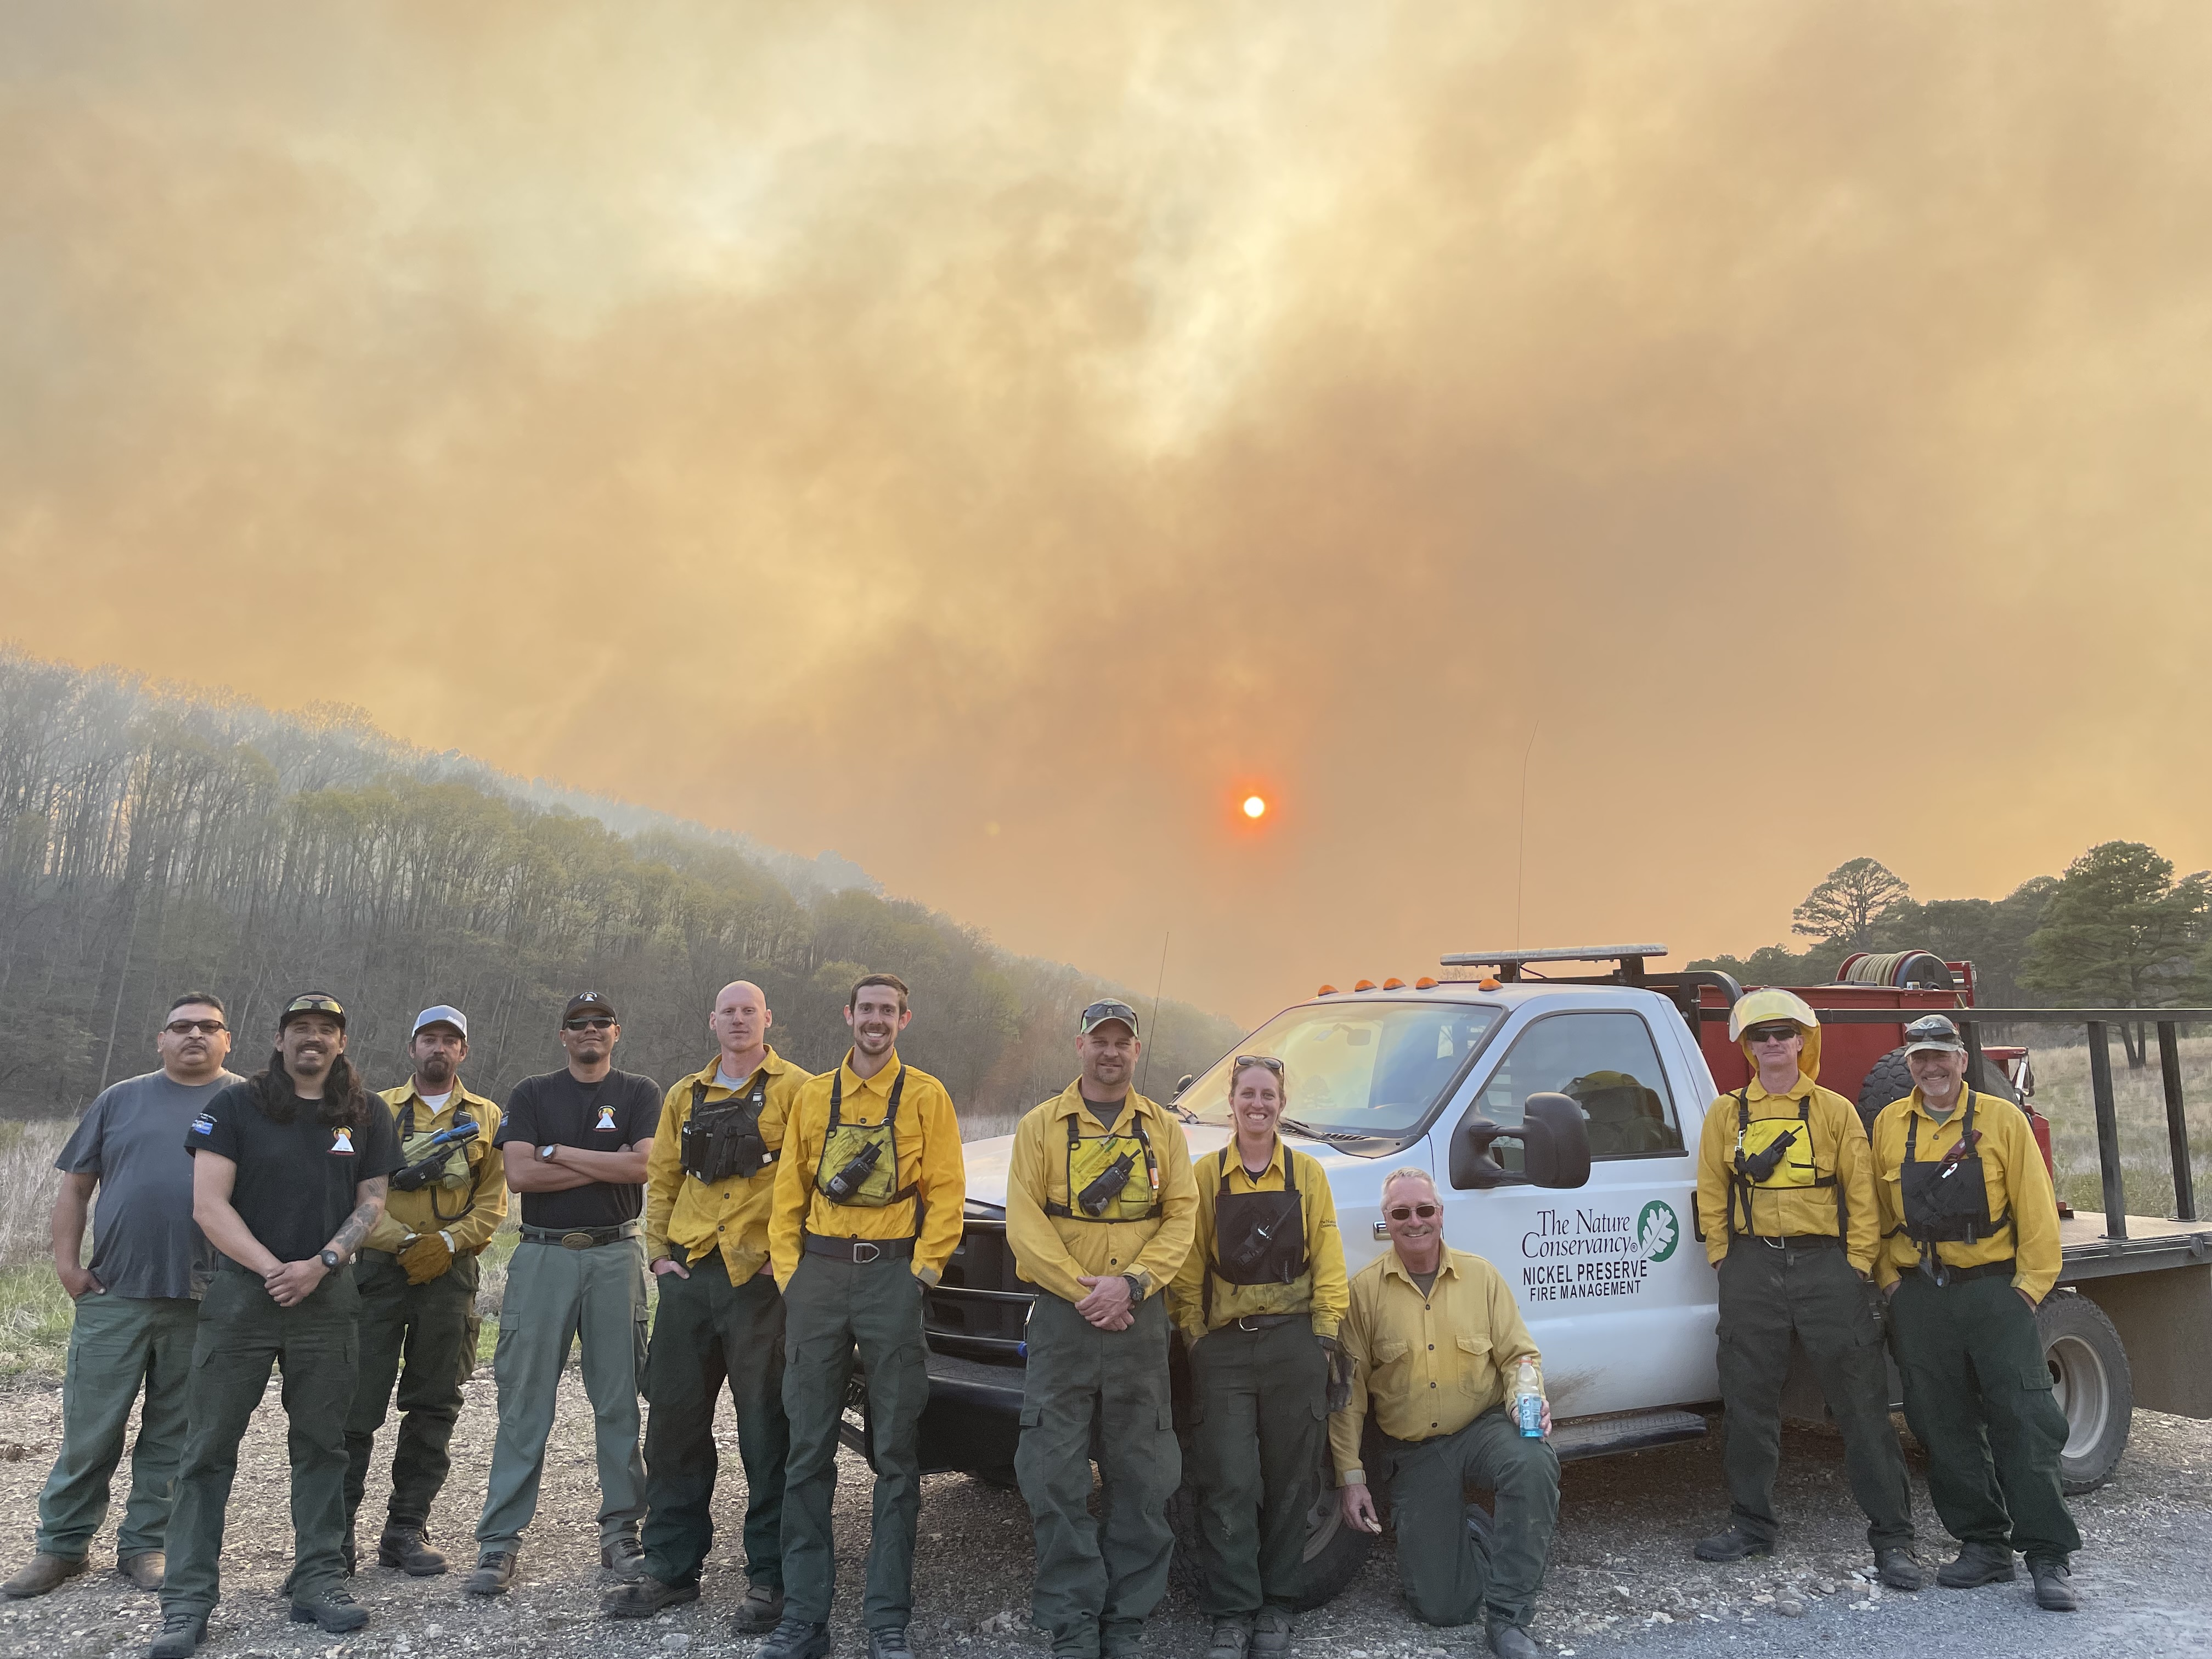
(1243, 1324)
(575, 1241)
(874, 1251)
(1772, 1243)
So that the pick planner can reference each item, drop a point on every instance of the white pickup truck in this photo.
(1559, 1121)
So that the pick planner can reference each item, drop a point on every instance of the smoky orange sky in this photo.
(990, 440)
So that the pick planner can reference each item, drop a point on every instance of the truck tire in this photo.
(2091, 1382)
(1333, 1555)
(1887, 1079)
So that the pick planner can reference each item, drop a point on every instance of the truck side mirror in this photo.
(1554, 1137)
(1187, 1079)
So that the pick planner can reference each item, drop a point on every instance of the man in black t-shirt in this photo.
(289, 1175)
(575, 1142)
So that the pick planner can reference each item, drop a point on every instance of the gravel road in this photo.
(1621, 1580)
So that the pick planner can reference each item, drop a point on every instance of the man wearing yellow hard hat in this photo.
(1786, 1206)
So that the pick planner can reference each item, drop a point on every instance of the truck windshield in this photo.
(1362, 1068)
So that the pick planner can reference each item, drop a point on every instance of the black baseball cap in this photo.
(588, 1002)
(313, 1002)
(1099, 1012)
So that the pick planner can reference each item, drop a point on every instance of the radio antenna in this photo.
(1521, 850)
(1144, 1070)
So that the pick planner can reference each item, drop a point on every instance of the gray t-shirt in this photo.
(145, 1243)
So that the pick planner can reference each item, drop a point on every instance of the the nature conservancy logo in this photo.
(1572, 1253)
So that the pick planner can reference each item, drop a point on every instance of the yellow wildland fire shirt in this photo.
(695, 1216)
(1428, 1365)
(1319, 1290)
(1051, 1251)
(928, 1160)
(406, 1214)
(2012, 1169)
(1839, 1150)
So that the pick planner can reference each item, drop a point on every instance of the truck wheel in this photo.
(1887, 1079)
(2092, 1384)
(1334, 1554)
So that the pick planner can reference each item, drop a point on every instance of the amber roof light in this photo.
(1424, 983)
(1364, 985)
(1326, 991)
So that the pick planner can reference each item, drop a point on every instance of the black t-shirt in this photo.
(295, 1180)
(611, 1115)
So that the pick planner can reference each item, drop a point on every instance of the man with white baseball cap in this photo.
(417, 1276)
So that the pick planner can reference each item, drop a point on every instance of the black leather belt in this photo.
(580, 1238)
(1266, 1321)
(1952, 1275)
(860, 1249)
(1792, 1241)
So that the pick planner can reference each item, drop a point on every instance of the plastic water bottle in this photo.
(1529, 1401)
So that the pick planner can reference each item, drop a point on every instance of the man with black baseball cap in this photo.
(1970, 1248)
(1100, 1208)
(576, 1141)
(289, 1175)
(418, 1284)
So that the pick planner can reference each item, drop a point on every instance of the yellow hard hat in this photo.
(1758, 1007)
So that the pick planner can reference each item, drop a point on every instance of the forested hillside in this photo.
(153, 839)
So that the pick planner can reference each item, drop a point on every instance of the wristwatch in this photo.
(1136, 1288)
(545, 1152)
(332, 1260)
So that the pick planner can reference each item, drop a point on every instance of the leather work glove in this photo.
(1339, 1373)
(425, 1256)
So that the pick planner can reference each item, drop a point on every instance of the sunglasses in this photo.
(593, 1022)
(1267, 1060)
(1408, 1212)
(1771, 1033)
(314, 1005)
(186, 1027)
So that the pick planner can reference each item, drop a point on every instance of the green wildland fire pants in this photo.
(1768, 1289)
(117, 1345)
(242, 1335)
(1259, 1428)
(1448, 1576)
(1978, 1396)
(707, 1332)
(555, 1296)
(832, 1308)
(1097, 1576)
(429, 1329)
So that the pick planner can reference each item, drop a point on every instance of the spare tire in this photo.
(1888, 1079)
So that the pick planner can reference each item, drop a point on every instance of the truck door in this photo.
(1608, 1276)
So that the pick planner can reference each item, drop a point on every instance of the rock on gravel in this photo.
(1621, 1581)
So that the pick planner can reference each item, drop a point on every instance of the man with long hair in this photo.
(289, 1175)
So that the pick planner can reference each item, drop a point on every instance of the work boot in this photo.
(1733, 1544)
(494, 1572)
(761, 1612)
(889, 1643)
(795, 1639)
(646, 1597)
(626, 1556)
(1271, 1632)
(2054, 1587)
(1978, 1564)
(408, 1548)
(1900, 1569)
(181, 1634)
(44, 1573)
(144, 1570)
(1511, 1642)
(1231, 1638)
(334, 1610)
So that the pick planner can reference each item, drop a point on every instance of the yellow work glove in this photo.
(425, 1257)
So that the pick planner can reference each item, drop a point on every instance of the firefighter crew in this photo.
(1435, 1342)
(135, 1307)
(869, 1192)
(1970, 1248)
(1259, 1300)
(1100, 1207)
(288, 1177)
(1786, 1204)
(707, 1186)
(575, 1142)
(417, 1276)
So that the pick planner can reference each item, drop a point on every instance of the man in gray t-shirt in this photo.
(137, 1302)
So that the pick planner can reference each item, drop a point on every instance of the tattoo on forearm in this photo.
(356, 1225)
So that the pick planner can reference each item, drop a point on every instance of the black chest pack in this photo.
(723, 1142)
(1258, 1238)
(1946, 1200)
(1773, 1155)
